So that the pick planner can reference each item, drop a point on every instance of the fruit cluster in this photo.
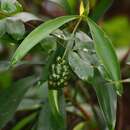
(59, 74)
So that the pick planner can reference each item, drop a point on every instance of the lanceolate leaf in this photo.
(106, 53)
(107, 99)
(11, 97)
(38, 34)
(49, 118)
(44, 117)
(56, 101)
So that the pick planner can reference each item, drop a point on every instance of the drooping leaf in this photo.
(106, 54)
(99, 117)
(49, 118)
(57, 105)
(11, 97)
(107, 99)
(82, 68)
(45, 112)
(46, 120)
(39, 34)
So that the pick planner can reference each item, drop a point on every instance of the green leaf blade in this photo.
(11, 97)
(38, 34)
(82, 68)
(15, 28)
(57, 105)
(10, 7)
(106, 53)
(107, 99)
(24, 122)
(49, 118)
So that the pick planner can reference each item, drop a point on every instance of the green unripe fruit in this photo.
(59, 73)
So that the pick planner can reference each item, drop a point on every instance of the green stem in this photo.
(119, 81)
(71, 37)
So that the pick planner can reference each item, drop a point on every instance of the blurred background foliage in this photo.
(118, 28)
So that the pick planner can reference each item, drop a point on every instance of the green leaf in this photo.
(100, 9)
(106, 54)
(72, 6)
(44, 122)
(24, 17)
(57, 105)
(49, 118)
(19, 7)
(39, 34)
(24, 122)
(107, 99)
(6, 39)
(7, 6)
(11, 97)
(46, 119)
(85, 49)
(5, 79)
(49, 44)
(10, 6)
(81, 67)
(15, 28)
(99, 118)
(80, 126)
